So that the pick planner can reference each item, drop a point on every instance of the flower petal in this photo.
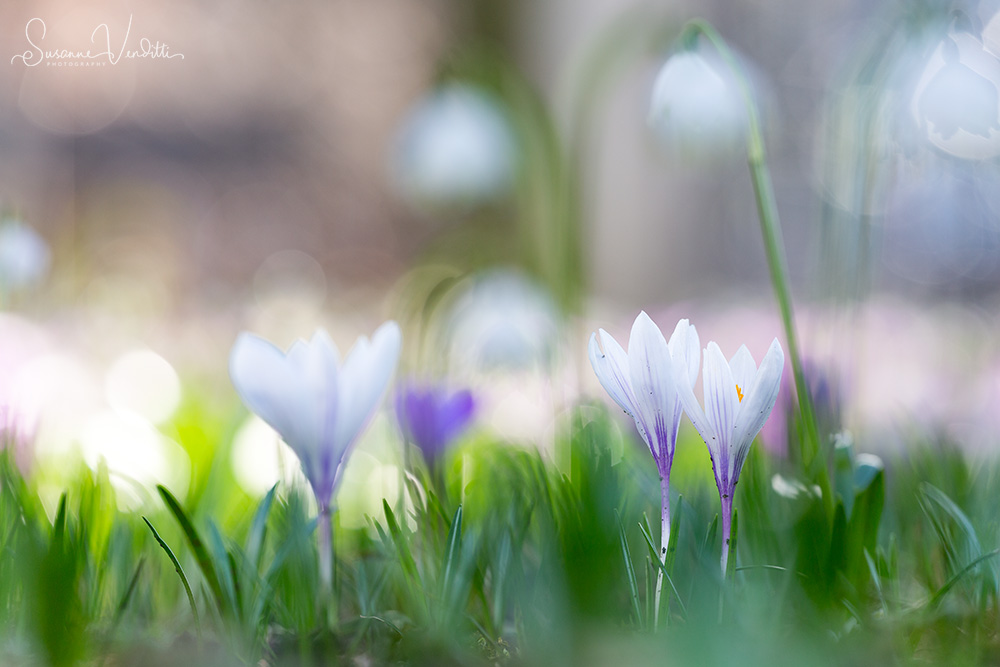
(685, 349)
(270, 386)
(721, 404)
(455, 415)
(650, 370)
(685, 353)
(743, 368)
(611, 368)
(684, 385)
(363, 380)
(760, 398)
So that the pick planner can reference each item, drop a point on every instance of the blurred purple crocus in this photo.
(824, 389)
(431, 417)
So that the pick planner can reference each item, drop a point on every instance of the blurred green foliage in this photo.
(503, 558)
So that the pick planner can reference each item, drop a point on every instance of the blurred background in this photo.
(501, 177)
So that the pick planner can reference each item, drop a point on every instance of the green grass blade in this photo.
(633, 582)
(941, 592)
(194, 540)
(405, 556)
(180, 573)
(877, 580)
(655, 558)
(258, 529)
(675, 527)
(127, 597)
(225, 568)
(713, 529)
(454, 538)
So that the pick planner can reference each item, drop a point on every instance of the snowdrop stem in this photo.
(770, 226)
(664, 544)
(727, 525)
(325, 539)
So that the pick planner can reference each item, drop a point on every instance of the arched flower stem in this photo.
(770, 226)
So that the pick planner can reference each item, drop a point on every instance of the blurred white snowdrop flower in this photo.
(24, 256)
(455, 147)
(317, 404)
(502, 319)
(956, 102)
(697, 107)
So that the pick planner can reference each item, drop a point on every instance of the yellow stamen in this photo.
(739, 393)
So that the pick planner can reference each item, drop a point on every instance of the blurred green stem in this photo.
(770, 227)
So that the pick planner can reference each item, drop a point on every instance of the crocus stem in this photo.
(727, 524)
(664, 544)
(325, 537)
(770, 226)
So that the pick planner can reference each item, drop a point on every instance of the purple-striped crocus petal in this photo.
(685, 354)
(692, 408)
(611, 368)
(721, 404)
(685, 349)
(759, 400)
(653, 388)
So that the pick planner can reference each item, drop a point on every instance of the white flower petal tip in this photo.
(317, 406)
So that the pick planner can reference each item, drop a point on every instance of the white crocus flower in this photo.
(738, 400)
(642, 383)
(317, 406)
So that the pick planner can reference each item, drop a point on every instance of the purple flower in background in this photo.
(825, 391)
(431, 417)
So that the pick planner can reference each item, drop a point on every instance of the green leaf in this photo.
(405, 556)
(226, 569)
(656, 564)
(675, 527)
(258, 529)
(633, 582)
(708, 546)
(127, 597)
(180, 573)
(969, 567)
(197, 546)
(451, 553)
